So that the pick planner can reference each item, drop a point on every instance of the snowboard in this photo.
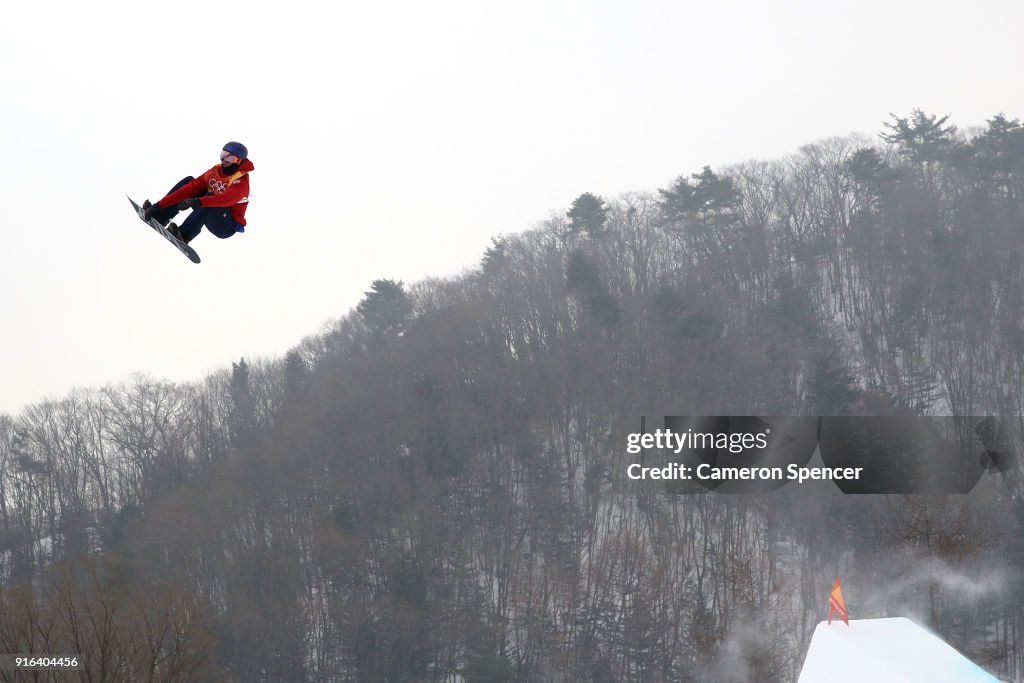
(182, 247)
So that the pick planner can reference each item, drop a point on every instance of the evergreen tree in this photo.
(242, 415)
(999, 154)
(495, 255)
(587, 215)
(831, 388)
(386, 309)
(922, 138)
(296, 373)
(866, 167)
(713, 200)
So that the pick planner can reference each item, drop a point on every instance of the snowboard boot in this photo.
(176, 233)
(160, 216)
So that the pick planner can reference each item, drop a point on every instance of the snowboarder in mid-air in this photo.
(218, 198)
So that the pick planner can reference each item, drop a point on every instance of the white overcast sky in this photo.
(394, 139)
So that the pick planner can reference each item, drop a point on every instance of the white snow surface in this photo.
(883, 651)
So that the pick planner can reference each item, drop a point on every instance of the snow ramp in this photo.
(885, 651)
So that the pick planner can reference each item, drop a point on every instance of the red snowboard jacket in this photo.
(225, 190)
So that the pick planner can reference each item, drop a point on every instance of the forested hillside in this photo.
(423, 491)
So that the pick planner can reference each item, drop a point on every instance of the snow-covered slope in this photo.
(884, 651)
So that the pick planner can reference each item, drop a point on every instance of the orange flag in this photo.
(836, 605)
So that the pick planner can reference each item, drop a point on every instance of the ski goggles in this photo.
(228, 158)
